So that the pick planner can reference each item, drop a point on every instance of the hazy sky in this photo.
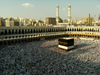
(36, 9)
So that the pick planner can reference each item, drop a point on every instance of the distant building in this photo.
(16, 23)
(7, 23)
(27, 22)
(17, 20)
(65, 21)
(85, 20)
(41, 23)
(21, 22)
(50, 20)
(11, 22)
(74, 21)
(99, 19)
(2, 21)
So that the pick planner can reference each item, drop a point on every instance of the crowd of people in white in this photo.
(45, 58)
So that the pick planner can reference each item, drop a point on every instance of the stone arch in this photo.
(75, 29)
(5, 32)
(90, 29)
(50, 30)
(42, 30)
(23, 31)
(68, 29)
(9, 31)
(28, 31)
(34, 31)
(2, 33)
(19, 31)
(31, 31)
(72, 29)
(79, 29)
(16, 31)
(13, 31)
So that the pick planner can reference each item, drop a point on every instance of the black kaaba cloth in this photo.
(66, 41)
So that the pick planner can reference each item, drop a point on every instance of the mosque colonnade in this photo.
(20, 34)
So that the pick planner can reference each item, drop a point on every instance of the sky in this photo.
(40, 9)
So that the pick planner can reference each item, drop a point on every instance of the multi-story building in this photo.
(9, 22)
(12, 23)
(50, 20)
(99, 19)
(16, 23)
(2, 21)
(21, 21)
(73, 21)
(41, 23)
(85, 20)
(17, 20)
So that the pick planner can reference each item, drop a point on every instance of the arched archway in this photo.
(2, 33)
(5, 32)
(12, 31)
(9, 32)
(19, 31)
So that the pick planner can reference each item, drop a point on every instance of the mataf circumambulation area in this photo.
(66, 43)
(45, 58)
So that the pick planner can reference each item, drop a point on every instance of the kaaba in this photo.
(66, 43)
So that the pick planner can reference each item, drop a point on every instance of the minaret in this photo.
(57, 14)
(69, 14)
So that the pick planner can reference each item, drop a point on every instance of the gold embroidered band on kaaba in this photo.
(65, 43)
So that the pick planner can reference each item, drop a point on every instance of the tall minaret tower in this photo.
(57, 14)
(69, 14)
